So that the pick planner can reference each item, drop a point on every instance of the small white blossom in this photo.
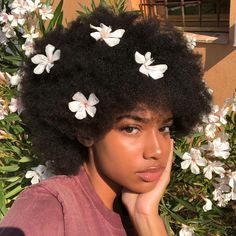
(19, 7)
(220, 148)
(8, 30)
(156, 72)
(222, 114)
(81, 105)
(33, 5)
(15, 106)
(4, 17)
(186, 231)
(215, 167)
(31, 35)
(38, 173)
(17, 20)
(104, 33)
(212, 121)
(46, 12)
(208, 205)
(193, 159)
(14, 80)
(28, 47)
(46, 62)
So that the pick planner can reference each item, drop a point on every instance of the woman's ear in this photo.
(86, 141)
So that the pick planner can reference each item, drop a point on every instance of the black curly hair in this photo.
(91, 66)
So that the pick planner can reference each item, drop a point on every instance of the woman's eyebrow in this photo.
(133, 117)
(169, 119)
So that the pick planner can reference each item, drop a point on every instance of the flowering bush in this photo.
(201, 196)
(199, 199)
(21, 22)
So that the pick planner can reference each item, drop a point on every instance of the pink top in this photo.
(63, 205)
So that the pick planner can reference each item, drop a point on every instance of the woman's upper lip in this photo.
(151, 169)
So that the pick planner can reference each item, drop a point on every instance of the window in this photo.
(194, 16)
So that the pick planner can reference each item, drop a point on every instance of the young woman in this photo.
(102, 99)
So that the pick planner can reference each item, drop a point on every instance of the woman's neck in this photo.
(105, 188)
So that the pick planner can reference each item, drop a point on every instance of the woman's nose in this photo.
(152, 148)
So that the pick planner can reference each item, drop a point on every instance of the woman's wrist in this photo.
(151, 225)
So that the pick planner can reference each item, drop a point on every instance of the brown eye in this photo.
(165, 129)
(130, 130)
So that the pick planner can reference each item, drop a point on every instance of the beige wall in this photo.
(219, 60)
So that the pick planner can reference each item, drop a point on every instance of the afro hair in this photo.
(91, 66)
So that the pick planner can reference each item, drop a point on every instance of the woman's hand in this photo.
(143, 208)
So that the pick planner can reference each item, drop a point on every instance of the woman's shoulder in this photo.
(56, 186)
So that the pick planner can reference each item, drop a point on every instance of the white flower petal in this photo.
(147, 56)
(57, 54)
(117, 33)
(96, 28)
(39, 58)
(93, 100)
(74, 106)
(194, 168)
(91, 110)
(144, 70)
(39, 69)
(49, 50)
(35, 180)
(208, 172)
(48, 67)
(185, 164)
(80, 97)
(201, 161)
(111, 41)
(105, 28)
(139, 58)
(156, 72)
(208, 205)
(29, 174)
(81, 113)
(96, 35)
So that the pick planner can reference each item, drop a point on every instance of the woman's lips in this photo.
(150, 175)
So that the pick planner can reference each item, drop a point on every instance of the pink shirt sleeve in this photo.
(36, 212)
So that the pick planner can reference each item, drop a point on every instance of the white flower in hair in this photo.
(46, 62)
(104, 33)
(82, 106)
(156, 72)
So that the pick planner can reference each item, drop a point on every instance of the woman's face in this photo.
(134, 153)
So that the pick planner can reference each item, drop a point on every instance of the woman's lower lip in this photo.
(149, 176)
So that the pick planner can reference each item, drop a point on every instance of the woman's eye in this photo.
(165, 129)
(130, 130)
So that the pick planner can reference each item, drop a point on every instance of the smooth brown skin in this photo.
(138, 141)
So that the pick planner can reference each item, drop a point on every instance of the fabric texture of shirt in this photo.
(63, 206)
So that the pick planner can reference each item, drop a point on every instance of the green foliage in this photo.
(117, 6)
(15, 145)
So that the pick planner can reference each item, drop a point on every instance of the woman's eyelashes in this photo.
(130, 129)
(165, 129)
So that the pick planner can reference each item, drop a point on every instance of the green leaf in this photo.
(14, 192)
(56, 17)
(11, 168)
(25, 159)
(3, 208)
(185, 204)
(11, 179)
